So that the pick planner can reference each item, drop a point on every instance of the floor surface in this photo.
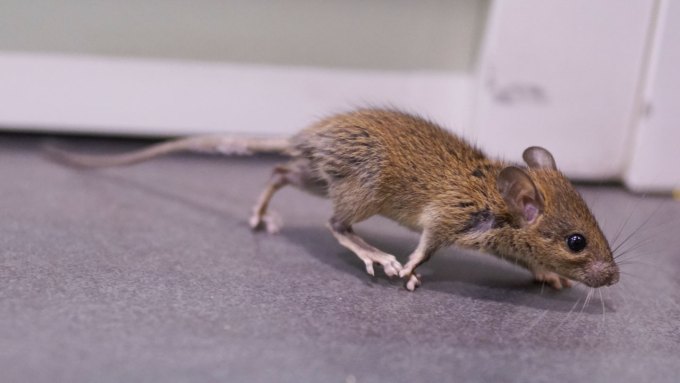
(151, 274)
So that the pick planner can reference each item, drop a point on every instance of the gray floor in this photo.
(150, 274)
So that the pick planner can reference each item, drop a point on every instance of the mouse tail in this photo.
(227, 145)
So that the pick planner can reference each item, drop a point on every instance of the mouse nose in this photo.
(601, 273)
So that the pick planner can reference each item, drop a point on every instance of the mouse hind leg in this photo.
(295, 173)
(351, 207)
(261, 219)
(367, 253)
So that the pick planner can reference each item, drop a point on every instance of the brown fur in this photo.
(386, 162)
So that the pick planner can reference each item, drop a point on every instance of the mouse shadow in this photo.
(451, 271)
(222, 214)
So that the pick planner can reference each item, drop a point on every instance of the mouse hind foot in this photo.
(261, 218)
(295, 173)
(270, 222)
(367, 253)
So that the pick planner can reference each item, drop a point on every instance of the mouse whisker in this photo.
(642, 242)
(632, 257)
(632, 275)
(608, 293)
(624, 293)
(535, 323)
(632, 249)
(656, 268)
(632, 211)
(588, 298)
(631, 234)
(627, 220)
(603, 308)
(634, 246)
(633, 261)
(566, 318)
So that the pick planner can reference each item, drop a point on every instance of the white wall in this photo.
(655, 161)
(438, 35)
(564, 75)
(169, 67)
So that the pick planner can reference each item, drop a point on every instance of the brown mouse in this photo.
(406, 168)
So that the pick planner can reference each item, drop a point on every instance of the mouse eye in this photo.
(576, 242)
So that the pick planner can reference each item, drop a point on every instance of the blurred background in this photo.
(595, 82)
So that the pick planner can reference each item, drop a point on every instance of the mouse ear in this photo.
(520, 194)
(538, 157)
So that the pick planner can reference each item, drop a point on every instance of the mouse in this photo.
(399, 165)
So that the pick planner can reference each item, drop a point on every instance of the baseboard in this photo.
(107, 95)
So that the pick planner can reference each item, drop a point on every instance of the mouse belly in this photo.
(404, 218)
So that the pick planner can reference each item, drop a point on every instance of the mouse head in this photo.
(554, 224)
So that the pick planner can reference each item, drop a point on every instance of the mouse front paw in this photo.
(555, 281)
(413, 282)
(271, 222)
(412, 279)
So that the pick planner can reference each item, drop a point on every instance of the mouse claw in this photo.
(255, 221)
(405, 271)
(566, 282)
(392, 269)
(270, 222)
(389, 270)
(413, 282)
(369, 269)
(390, 266)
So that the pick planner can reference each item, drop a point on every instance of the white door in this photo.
(655, 163)
(564, 75)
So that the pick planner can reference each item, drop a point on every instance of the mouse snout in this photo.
(599, 273)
